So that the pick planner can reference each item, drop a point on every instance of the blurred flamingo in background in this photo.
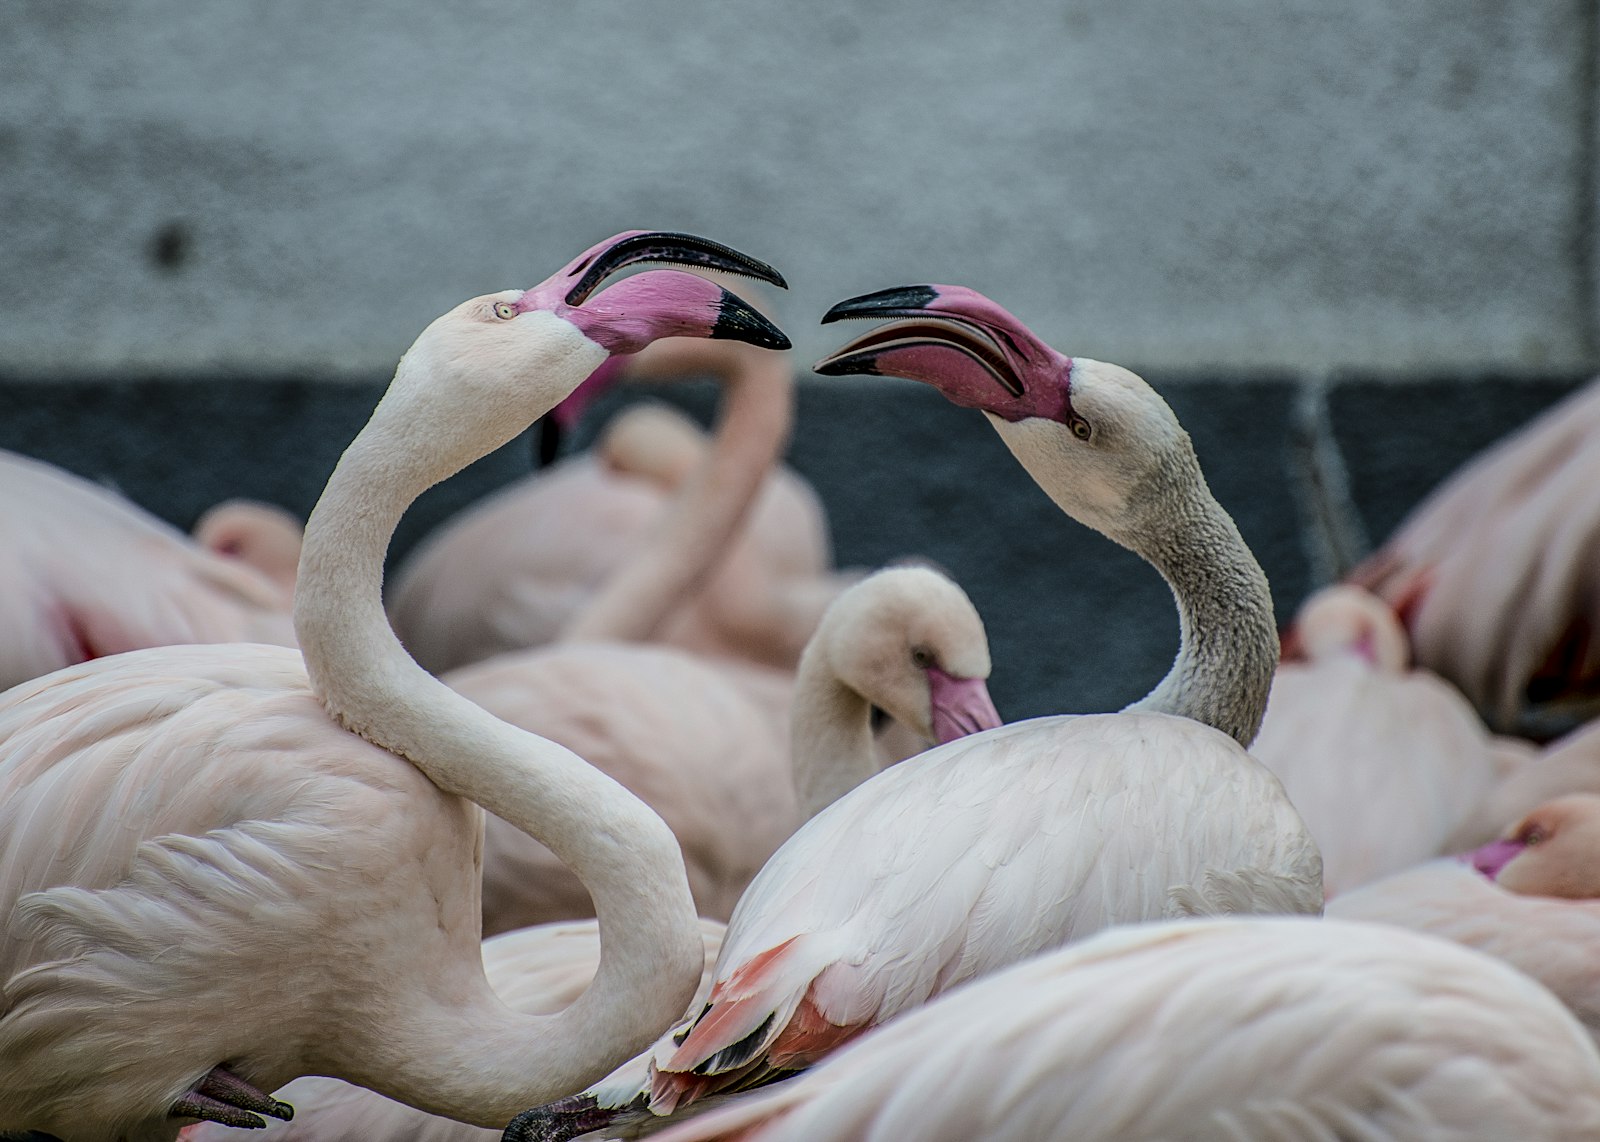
(1496, 574)
(224, 867)
(89, 573)
(260, 535)
(1567, 765)
(1381, 760)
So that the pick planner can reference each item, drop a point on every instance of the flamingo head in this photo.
(511, 356)
(1553, 851)
(909, 641)
(1098, 439)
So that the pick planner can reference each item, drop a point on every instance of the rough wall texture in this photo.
(1195, 184)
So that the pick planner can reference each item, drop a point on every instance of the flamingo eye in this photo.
(1533, 836)
(504, 310)
(922, 658)
(1080, 427)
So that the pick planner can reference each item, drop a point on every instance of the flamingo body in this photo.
(975, 855)
(1212, 1032)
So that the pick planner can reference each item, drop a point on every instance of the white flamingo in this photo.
(259, 535)
(1381, 760)
(1209, 1031)
(987, 850)
(224, 867)
(699, 740)
(1531, 898)
(86, 573)
(1570, 764)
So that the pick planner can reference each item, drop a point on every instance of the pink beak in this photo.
(961, 706)
(1493, 857)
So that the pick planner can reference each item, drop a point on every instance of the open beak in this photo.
(659, 247)
(955, 339)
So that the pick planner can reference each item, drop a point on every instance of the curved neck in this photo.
(753, 426)
(830, 732)
(625, 855)
(1228, 642)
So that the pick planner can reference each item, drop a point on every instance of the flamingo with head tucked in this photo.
(1532, 898)
(257, 534)
(223, 867)
(88, 573)
(1005, 843)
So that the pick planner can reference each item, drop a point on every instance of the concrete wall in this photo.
(1399, 185)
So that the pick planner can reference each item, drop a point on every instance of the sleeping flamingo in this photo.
(517, 569)
(259, 535)
(1531, 898)
(1005, 843)
(1381, 760)
(1208, 1031)
(224, 867)
(1495, 572)
(88, 573)
(699, 741)
(1570, 764)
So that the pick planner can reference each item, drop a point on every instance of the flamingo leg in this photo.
(224, 1097)
(560, 1120)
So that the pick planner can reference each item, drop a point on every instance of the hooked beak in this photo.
(661, 247)
(957, 340)
(961, 706)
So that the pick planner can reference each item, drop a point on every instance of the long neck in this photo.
(753, 427)
(1228, 643)
(831, 744)
(625, 855)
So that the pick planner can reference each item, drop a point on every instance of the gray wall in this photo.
(1399, 185)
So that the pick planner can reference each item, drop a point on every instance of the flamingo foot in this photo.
(225, 1098)
(559, 1121)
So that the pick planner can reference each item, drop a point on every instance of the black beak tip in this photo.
(898, 301)
(847, 365)
(737, 320)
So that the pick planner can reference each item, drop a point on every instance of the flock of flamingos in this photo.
(754, 853)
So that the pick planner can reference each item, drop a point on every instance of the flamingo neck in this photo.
(477, 1061)
(757, 410)
(1228, 642)
(831, 744)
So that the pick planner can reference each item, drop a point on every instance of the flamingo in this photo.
(1531, 898)
(989, 849)
(1570, 764)
(1210, 1031)
(224, 867)
(699, 740)
(518, 569)
(534, 971)
(260, 535)
(1382, 761)
(88, 574)
(1494, 573)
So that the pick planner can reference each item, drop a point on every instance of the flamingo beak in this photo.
(961, 706)
(1493, 857)
(659, 247)
(957, 340)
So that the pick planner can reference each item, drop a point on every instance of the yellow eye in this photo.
(1533, 837)
(1080, 427)
(504, 310)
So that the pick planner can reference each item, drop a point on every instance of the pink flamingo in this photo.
(259, 535)
(1381, 760)
(224, 867)
(1005, 843)
(701, 742)
(1531, 898)
(1494, 573)
(1205, 1030)
(521, 568)
(90, 574)
(1570, 764)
